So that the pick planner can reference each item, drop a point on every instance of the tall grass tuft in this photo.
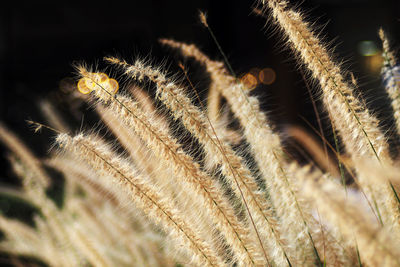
(166, 183)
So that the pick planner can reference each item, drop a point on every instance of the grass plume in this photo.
(165, 181)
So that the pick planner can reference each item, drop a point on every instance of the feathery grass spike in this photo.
(170, 181)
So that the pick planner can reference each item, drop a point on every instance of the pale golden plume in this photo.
(358, 128)
(167, 150)
(145, 196)
(19, 149)
(376, 245)
(203, 18)
(390, 73)
(168, 178)
(237, 174)
(267, 150)
(388, 54)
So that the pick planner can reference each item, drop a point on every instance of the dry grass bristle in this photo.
(172, 175)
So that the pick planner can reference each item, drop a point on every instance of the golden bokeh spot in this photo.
(113, 85)
(267, 76)
(94, 79)
(249, 81)
(90, 83)
(82, 86)
(101, 77)
(374, 63)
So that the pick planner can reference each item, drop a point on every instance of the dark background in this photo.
(40, 41)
